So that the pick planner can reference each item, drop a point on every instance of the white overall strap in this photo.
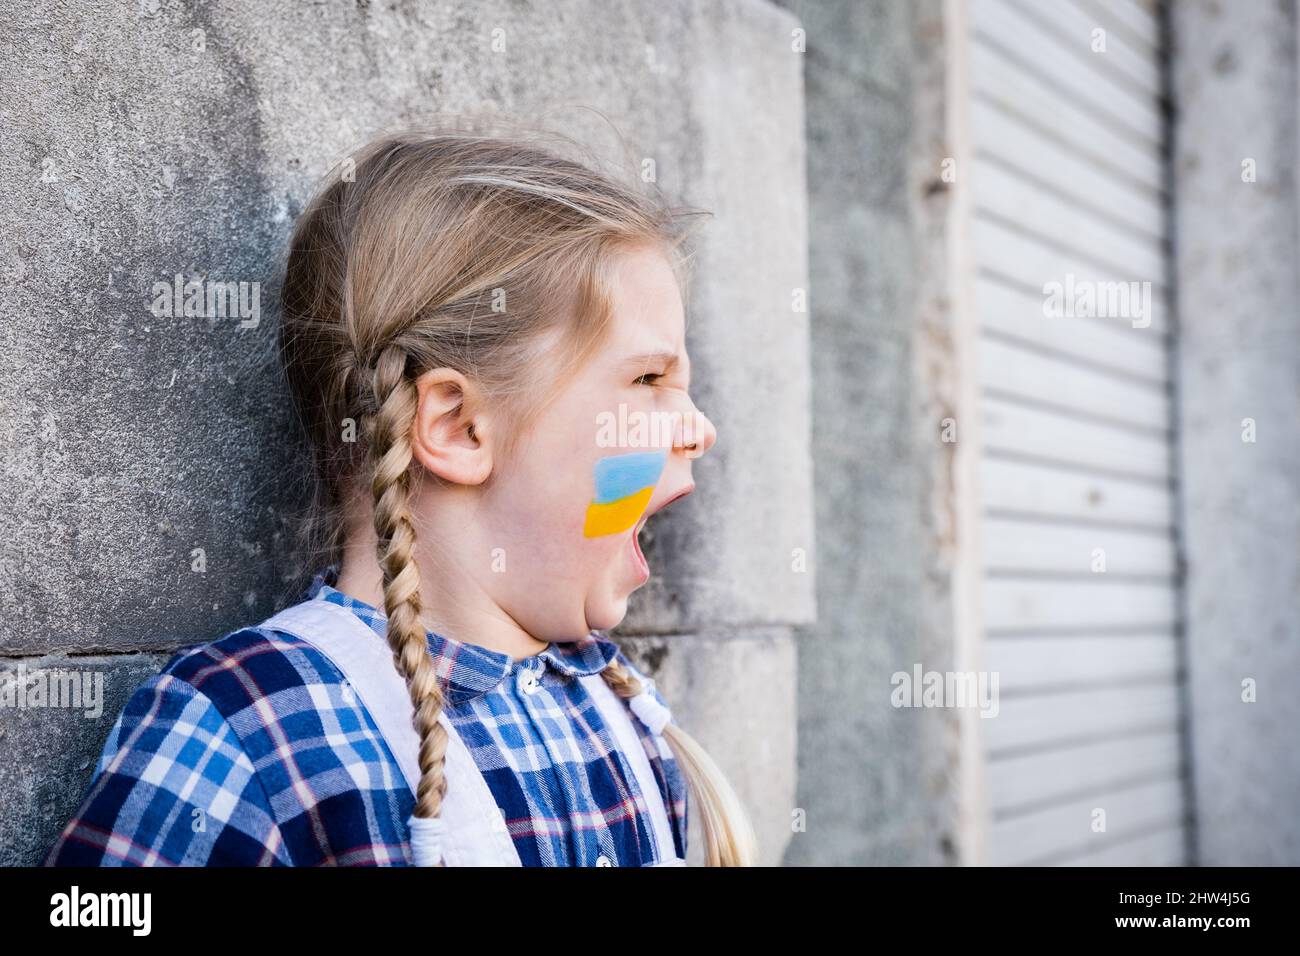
(473, 830)
(614, 712)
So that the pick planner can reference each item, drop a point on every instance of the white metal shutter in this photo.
(1066, 177)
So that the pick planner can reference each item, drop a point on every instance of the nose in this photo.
(695, 432)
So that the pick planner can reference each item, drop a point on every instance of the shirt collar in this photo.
(467, 671)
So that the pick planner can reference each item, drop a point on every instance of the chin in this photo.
(608, 615)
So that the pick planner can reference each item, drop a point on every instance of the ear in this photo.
(451, 434)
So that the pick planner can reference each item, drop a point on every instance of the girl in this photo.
(463, 315)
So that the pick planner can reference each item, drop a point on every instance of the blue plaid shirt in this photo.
(251, 750)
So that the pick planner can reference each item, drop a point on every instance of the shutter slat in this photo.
(1014, 313)
(1068, 828)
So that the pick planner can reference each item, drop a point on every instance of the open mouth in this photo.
(638, 556)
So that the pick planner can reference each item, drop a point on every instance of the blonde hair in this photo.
(392, 270)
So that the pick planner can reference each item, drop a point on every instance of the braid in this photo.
(728, 835)
(620, 680)
(388, 436)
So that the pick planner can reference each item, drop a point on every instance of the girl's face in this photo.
(610, 451)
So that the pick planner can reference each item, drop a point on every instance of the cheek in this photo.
(623, 485)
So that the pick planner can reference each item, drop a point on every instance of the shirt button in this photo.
(528, 682)
(603, 860)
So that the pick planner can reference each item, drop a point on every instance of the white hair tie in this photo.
(652, 713)
(426, 840)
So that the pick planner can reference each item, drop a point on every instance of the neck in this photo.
(457, 608)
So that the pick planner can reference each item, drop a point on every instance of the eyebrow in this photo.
(669, 360)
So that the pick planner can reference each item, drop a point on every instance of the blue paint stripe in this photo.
(619, 476)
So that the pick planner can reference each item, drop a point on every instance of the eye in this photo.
(641, 379)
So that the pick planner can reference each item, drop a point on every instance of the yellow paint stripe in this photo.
(612, 517)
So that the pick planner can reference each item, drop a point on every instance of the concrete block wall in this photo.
(1234, 81)
(156, 138)
(879, 784)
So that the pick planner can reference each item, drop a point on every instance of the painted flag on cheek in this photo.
(624, 486)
